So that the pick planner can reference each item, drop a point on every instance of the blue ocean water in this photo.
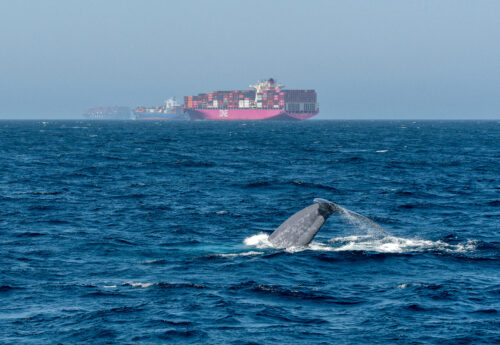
(155, 232)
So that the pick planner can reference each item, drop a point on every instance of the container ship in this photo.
(171, 110)
(267, 101)
(108, 113)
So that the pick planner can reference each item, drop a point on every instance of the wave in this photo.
(191, 164)
(30, 234)
(367, 243)
(294, 183)
(162, 285)
(6, 288)
(173, 334)
(299, 292)
(234, 255)
(153, 262)
(138, 284)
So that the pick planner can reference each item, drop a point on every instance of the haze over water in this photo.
(155, 232)
(366, 59)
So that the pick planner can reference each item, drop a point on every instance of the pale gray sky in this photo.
(366, 59)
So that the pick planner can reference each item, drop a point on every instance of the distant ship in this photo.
(108, 113)
(268, 101)
(171, 110)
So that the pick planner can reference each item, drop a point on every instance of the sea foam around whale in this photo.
(386, 244)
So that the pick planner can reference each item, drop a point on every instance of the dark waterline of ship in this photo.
(155, 232)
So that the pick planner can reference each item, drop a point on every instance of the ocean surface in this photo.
(156, 232)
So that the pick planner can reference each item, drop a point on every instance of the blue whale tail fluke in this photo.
(301, 227)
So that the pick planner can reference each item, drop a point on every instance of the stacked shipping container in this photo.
(270, 98)
(298, 101)
(221, 100)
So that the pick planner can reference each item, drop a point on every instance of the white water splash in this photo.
(260, 241)
(367, 243)
(140, 285)
(393, 244)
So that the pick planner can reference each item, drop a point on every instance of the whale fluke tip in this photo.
(322, 201)
(332, 206)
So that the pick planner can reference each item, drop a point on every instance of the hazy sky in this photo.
(366, 59)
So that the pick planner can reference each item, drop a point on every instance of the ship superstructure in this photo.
(268, 100)
(171, 110)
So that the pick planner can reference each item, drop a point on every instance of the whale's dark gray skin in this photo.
(300, 228)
